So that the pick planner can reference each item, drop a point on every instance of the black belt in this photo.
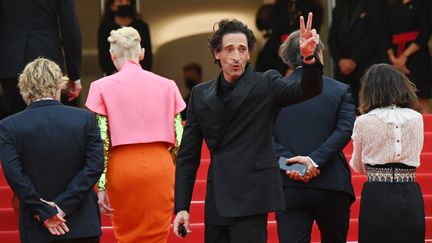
(391, 173)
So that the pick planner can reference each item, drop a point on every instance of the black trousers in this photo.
(330, 210)
(251, 229)
(221, 229)
(79, 240)
(13, 98)
(391, 213)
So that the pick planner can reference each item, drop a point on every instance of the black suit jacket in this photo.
(355, 34)
(53, 152)
(319, 128)
(243, 165)
(34, 28)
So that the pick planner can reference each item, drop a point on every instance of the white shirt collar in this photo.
(45, 98)
(394, 114)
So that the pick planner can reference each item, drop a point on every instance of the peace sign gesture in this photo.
(308, 37)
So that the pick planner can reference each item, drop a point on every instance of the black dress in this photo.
(391, 213)
(354, 34)
(105, 61)
(285, 20)
(408, 23)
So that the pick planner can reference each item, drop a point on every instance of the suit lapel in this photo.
(355, 14)
(242, 90)
(239, 94)
(212, 99)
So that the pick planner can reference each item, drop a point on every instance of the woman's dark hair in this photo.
(382, 85)
(108, 14)
(226, 26)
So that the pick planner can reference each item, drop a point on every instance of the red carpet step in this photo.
(9, 221)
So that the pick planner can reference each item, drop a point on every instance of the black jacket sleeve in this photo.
(341, 134)
(19, 182)
(71, 38)
(282, 151)
(291, 92)
(188, 159)
(424, 28)
(85, 180)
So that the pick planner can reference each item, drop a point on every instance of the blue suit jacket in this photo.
(53, 152)
(319, 128)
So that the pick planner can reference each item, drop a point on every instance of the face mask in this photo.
(190, 83)
(125, 11)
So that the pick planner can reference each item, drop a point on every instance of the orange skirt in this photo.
(140, 187)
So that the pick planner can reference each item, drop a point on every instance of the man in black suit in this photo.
(52, 156)
(314, 133)
(234, 114)
(38, 28)
(354, 39)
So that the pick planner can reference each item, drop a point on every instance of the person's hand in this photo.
(402, 59)
(311, 173)
(309, 38)
(104, 204)
(346, 66)
(182, 218)
(74, 89)
(399, 63)
(56, 225)
(403, 69)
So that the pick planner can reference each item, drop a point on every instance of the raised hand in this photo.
(308, 37)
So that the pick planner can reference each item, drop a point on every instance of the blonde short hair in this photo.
(125, 43)
(41, 78)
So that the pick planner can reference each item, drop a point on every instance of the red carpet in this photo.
(9, 222)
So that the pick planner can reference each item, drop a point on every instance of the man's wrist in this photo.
(312, 162)
(78, 81)
(176, 211)
(309, 59)
(61, 212)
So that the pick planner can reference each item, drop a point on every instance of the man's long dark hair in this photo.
(226, 26)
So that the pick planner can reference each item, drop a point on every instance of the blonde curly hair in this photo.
(41, 78)
(125, 43)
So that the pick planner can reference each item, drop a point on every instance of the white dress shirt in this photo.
(387, 135)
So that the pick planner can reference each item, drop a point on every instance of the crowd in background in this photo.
(361, 33)
(368, 32)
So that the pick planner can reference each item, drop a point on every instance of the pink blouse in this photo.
(140, 105)
(387, 135)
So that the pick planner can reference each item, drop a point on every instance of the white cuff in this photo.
(78, 81)
(313, 163)
(60, 211)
